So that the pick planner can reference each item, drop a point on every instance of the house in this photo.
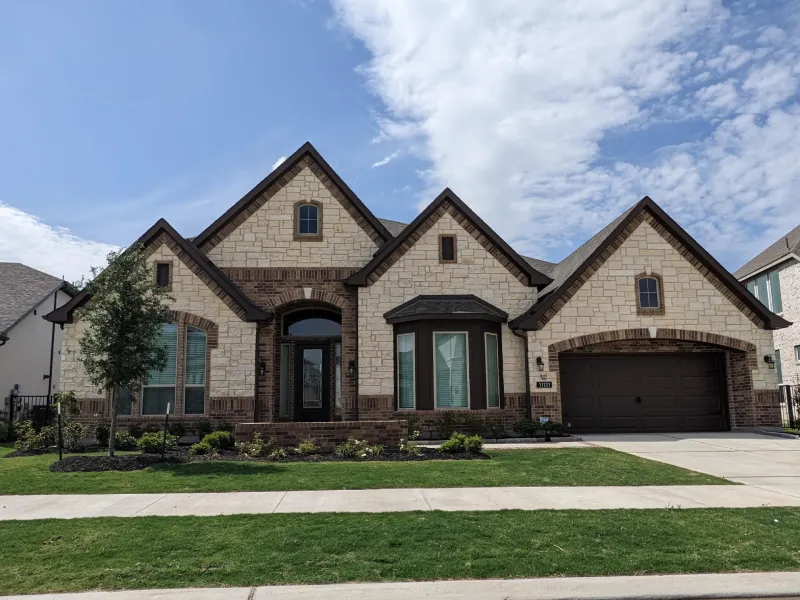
(773, 277)
(298, 312)
(30, 348)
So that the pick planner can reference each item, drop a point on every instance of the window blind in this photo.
(195, 392)
(160, 386)
(405, 371)
(492, 372)
(450, 362)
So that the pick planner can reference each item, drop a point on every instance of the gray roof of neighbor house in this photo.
(21, 290)
(787, 244)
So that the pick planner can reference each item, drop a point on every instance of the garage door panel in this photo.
(679, 392)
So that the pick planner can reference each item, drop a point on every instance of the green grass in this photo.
(572, 466)
(160, 552)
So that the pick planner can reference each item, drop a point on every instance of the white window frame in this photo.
(413, 367)
(486, 366)
(469, 395)
(186, 372)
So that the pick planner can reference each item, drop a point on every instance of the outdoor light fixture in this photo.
(351, 368)
(262, 368)
(539, 363)
(769, 360)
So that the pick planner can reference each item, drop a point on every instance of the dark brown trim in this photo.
(492, 313)
(251, 312)
(305, 150)
(442, 260)
(530, 319)
(643, 311)
(306, 237)
(534, 277)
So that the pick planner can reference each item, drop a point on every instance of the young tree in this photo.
(124, 316)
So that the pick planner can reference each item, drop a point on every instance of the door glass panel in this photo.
(285, 370)
(450, 362)
(338, 405)
(312, 378)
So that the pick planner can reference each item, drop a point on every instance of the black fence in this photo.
(33, 408)
(790, 406)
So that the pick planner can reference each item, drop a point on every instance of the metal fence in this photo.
(33, 408)
(790, 406)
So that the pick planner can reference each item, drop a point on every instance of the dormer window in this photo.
(649, 294)
(308, 221)
(447, 248)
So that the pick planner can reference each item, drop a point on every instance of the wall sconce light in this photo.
(769, 360)
(351, 368)
(539, 363)
(262, 368)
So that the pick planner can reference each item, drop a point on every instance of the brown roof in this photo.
(786, 245)
(571, 268)
(249, 309)
(22, 289)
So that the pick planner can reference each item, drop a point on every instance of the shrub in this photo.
(354, 448)
(153, 428)
(200, 449)
(203, 429)
(28, 439)
(135, 430)
(225, 426)
(123, 440)
(447, 424)
(72, 433)
(555, 428)
(473, 444)
(409, 446)
(255, 448)
(526, 428)
(496, 429)
(102, 433)
(278, 454)
(307, 448)
(474, 423)
(177, 429)
(69, 403)
(151, 443)
(459, 442)
(220, 440)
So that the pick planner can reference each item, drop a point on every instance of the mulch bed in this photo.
(136, 462)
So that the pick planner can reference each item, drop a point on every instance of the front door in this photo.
(311, 383)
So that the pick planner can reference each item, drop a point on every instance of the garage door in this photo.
(643, 392)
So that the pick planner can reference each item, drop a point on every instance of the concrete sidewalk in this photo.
(390, 500)
(733, 585)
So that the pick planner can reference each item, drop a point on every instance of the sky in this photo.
(547, 118)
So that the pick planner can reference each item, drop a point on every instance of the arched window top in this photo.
(313, 322)
(649, 294)
(308, 220)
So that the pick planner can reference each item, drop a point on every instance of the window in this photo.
(159, 388)
(312, 323)
(337, 407)
(648, 292)
(124, 401)
(308, 220)
(451, 387)
(406, 376)
(797, 353)
(447, 248)
(163, 274)
(778, 369)
(767, 288)
(285, 375)
(492, 371)
(195, 384)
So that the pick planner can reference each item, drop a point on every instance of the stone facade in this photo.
(787, 339)
(266, 239)
(419, 271)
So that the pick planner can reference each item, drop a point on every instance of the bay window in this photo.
(492, 371)
(406, 371)
(195, 379)
(451, 364)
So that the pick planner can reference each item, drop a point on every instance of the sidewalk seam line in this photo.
(149, 505)
(424, 497)
(278, 504)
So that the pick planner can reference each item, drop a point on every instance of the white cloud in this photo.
(386, 160)
(278, 163)
(511, 100)
(54, 250)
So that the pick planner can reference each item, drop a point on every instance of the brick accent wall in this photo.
(478, 270)
(281, 290)
(327, 435)
(263, 235)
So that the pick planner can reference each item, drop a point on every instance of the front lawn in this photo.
(245, 550)
(567, 466)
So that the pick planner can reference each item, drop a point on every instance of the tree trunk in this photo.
(112, 429)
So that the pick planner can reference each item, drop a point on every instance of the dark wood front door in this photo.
(644, 392)
(312, 382)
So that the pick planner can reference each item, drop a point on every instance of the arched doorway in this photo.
(311, 362)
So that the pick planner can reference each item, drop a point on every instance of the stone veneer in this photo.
(418, 271)
(326, 434)
(266, 238)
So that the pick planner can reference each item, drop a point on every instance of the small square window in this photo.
(308, 220)
(162, 274)
(447, 248)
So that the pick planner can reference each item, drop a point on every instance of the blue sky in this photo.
(548, 120)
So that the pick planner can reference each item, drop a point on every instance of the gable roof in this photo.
(569, 271)
(442, 307)
(211, 236)
(786, 246)
(406, 239)
(393, 227)
(247, 310)
(22, 289)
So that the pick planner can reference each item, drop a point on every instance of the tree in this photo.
(124, 316)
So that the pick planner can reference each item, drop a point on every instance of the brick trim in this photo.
(317, 295)
(644, 334)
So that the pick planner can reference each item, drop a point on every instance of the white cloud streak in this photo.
(386, 160)
(278, 163)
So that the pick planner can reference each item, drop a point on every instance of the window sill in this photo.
(307, 237)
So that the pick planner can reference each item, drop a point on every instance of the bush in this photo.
(225, 426)
(200, 449)
(203, 429)
(177, 429)
(151, 443)
(447, 424)
(307, 448)
(526, 428)
(409, 446)
(220, 440)
(459, 442)
(354, 448)
(72, 433)
(28, 439)
(278, 454)
(555, 428)
(102, 433)
(255, 448)
(123, 440)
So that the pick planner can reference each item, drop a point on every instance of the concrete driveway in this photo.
(750, 458)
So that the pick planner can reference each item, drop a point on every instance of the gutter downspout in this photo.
(528, 403)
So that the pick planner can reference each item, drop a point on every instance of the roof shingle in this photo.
(21, 289)
(787, 244)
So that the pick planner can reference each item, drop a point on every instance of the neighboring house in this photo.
(297, 305)
(774, 278)
(26, 339)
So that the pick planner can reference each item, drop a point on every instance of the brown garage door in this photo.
(643, 392)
